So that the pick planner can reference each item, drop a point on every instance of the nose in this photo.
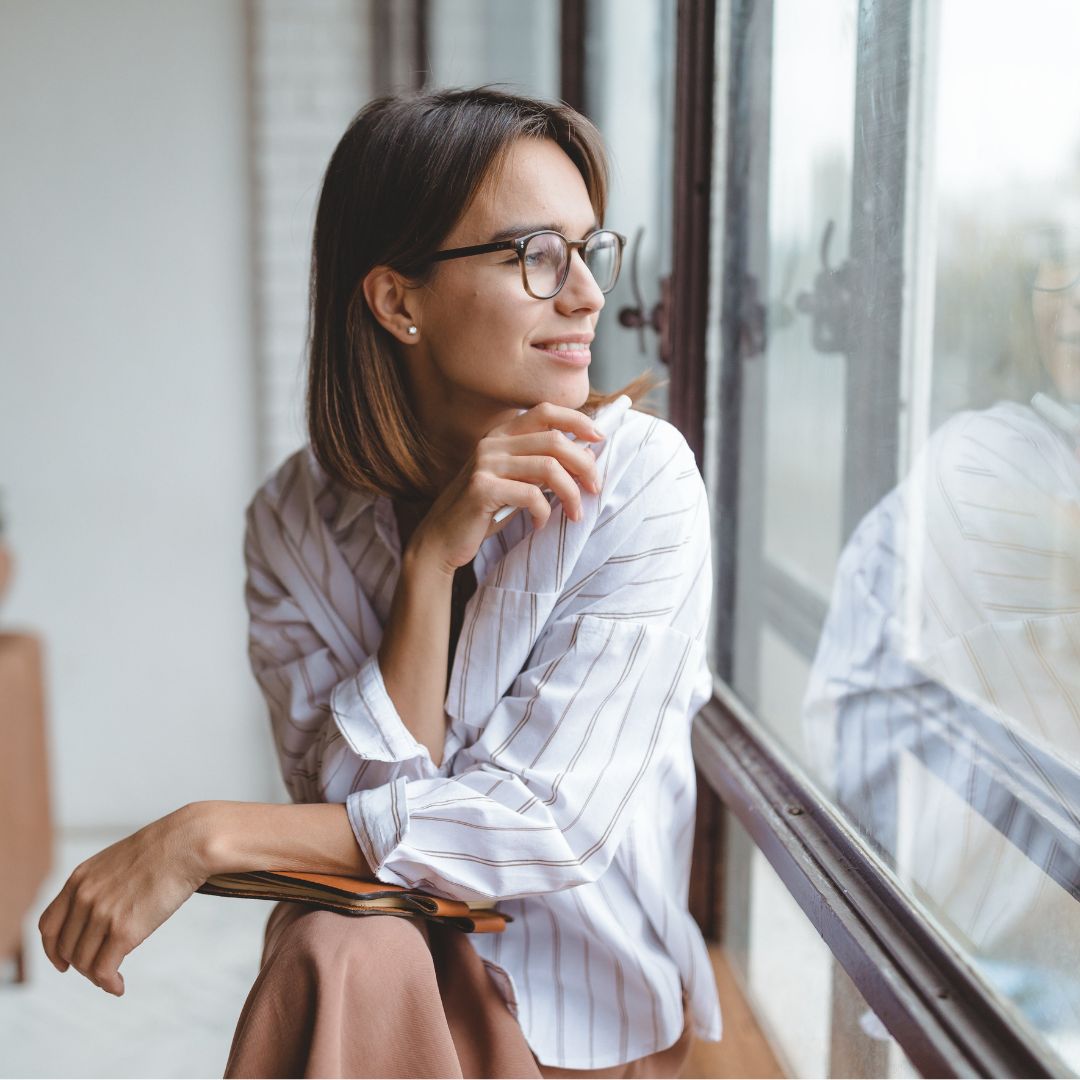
(580, 291)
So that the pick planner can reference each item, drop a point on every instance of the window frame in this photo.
(941, 1015)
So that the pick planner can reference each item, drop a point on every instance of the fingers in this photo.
(72, 937)
(527, 497)
(103, 968)
(74, 925)
(544, 471)
(546, 416)
(86, 950)
(51, 923)
(576, 459)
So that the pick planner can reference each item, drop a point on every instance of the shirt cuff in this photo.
(380, 819)
(368, 720)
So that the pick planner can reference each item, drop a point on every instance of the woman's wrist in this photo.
(238, 837)
(423, 557)
(203, 824)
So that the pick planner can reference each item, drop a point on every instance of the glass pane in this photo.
(908, 585)
(479, 41)
(636, 117)
(813, 95)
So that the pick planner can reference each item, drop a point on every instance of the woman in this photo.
(545, 764)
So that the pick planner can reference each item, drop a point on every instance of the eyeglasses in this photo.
(545, 258)
(1052, 258)
(1057, 275)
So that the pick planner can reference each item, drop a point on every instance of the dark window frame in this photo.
(943, 1018)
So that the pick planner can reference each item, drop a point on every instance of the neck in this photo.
(453, 418)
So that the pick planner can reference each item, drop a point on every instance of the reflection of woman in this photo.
(541, 760)
(953, 641)
(974, 560)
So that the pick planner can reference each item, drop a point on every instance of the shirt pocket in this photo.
(498, 633)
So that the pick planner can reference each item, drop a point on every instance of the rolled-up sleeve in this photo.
(541, 800)
(335, 726)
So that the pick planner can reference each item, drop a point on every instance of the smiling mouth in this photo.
(577, 356)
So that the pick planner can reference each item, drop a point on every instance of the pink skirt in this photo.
(383, 996)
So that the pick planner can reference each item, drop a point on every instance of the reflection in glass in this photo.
(636, 116)
(809, 194)
(922, 659)
(943, 706)
(947, 682)
(480, 41)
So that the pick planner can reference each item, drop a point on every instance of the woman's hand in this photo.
(510, 466)
(116, 899)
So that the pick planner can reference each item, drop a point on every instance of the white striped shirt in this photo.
(953, 639)
(566, 793)
(967, 577)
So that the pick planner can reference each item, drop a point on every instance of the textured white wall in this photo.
(310, 74)
(127, 446)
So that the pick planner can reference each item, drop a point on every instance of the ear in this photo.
(395, 306)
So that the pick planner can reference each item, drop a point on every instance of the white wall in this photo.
(309, 77)
(127, 447)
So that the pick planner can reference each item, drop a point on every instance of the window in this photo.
(897, 491)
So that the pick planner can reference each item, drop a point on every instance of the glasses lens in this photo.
(1057, 274)
(546, 258)
(602, 255)
(1051, 258)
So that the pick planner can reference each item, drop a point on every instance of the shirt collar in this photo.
(352, 505)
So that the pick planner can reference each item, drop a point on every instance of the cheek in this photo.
(484, 310)
(1044, 311)
(504, 317)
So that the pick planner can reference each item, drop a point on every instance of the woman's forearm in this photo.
(415, 649)
(236, 837)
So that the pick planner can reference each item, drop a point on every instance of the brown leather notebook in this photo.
(357, 896)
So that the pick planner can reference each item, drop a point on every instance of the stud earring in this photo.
(412, 330)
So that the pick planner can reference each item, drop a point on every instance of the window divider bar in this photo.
(573, 27)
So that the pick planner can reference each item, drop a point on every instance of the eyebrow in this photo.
(511, 232)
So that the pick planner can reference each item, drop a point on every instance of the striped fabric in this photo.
(965, 578)
(953, 641)
(567, 789)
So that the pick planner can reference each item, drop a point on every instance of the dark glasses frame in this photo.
(1051, 243)
(1068, 287)
(519, 245)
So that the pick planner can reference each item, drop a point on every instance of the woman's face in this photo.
(1057, 325)
(476, 353)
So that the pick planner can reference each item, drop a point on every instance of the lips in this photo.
(572, 357)
(566, 339)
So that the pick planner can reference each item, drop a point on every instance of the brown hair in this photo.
(401, 176)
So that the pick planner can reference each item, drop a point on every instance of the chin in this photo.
(569, 395)
(1065, 371)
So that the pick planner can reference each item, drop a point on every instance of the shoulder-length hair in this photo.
(401, 176)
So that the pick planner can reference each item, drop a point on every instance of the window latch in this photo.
(635, 318)
(831, 304)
